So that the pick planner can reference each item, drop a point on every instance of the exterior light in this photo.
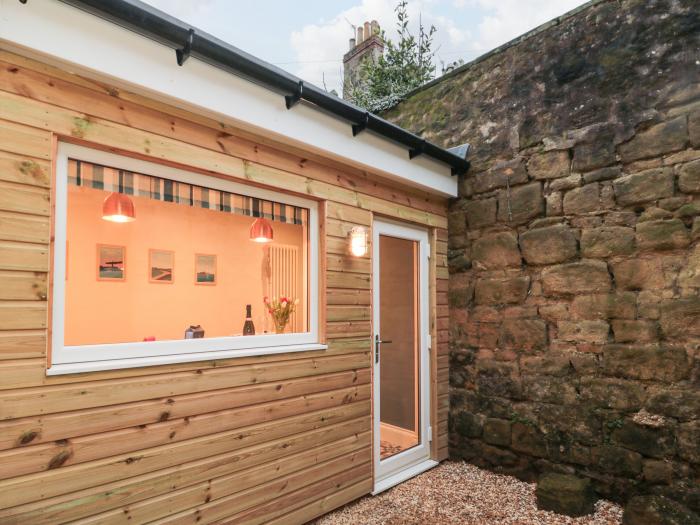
(261, 230)
(358, 241)
(118, 207)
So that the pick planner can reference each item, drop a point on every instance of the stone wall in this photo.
(575, 249)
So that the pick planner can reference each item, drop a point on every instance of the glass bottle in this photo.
(248, 326)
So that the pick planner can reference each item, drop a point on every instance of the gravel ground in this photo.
(456, 492)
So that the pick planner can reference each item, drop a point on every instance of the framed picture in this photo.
(161, 266)
(205, 269)
(111, 262)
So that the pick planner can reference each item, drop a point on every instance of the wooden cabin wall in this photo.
(284, 437)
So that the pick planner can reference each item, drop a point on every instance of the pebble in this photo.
(457, 492)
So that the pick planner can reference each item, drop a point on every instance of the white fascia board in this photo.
(91, 46)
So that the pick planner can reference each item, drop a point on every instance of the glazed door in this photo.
(401, 361)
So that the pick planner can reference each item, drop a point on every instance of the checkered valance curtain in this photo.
(90, 175)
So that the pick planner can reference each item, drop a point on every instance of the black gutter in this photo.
(187, 41)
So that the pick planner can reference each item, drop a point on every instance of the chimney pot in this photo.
(367, 33)
(375, 27)
(352, 44)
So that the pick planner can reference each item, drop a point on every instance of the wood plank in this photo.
(22, 315)
(22, 344)
(355, 281)
(67, 425)
(24, 170)
(319, 507)
(323, 443)
(348, 263)
(32, 487)
(345, 213)
(37, 458)
(24, 199)
(24, 256)
(348, 329)
(23, 140)
(62, 398)
(348, 313)
(278, 507)
(341, 246)
(23, 286)
(224, 507)
(344, 296)
(22, 227)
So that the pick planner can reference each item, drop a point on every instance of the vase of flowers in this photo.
(281, 310)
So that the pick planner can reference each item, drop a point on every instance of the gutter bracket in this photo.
(293, 99)
(414, 152)
(360, 126)
(183, 54)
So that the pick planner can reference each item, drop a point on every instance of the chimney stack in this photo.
(367, 45)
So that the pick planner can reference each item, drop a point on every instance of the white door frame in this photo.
(402, 466)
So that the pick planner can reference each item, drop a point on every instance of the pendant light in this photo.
(117, 207)
(261, 230)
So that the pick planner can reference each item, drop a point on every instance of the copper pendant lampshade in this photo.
(118, 207)
(261, 230)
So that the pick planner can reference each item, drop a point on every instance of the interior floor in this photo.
(387, 449)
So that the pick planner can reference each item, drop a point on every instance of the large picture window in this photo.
(154, 264)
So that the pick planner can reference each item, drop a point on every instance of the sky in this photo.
(309, 37)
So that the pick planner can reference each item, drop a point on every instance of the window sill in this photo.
(138, 362)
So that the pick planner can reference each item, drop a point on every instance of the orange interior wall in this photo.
(127, 311)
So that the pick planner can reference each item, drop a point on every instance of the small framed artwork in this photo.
(161, 266)
(205, 269)
(111, 262)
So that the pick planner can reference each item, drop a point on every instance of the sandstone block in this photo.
(594, 332)
(497, 250)
(695, 231)
(610, 393)
(639, 274)
(644, 186)
(657, 471)
(456, 223)
(549, 165)
(548, 245)
(585, 199)
(576, 278)
(526, 334)
(621, 305)
(498, 176)
(565, 183)
(526, 438)
(659, 139)
(521, 203)
(688, 210)
(618, 461)
(565, 494)
(554, 204)
(689, 441)
(602, 174)
(690, 275)
(607, 241)
(497, 432)
(689, 178)
(502, 291)
(662, 235)
(652, 441)
(681, 317)
(591, 155)
(635, 331)
(657, 510)
(498, 379)
(645, 363)
(680, 403)
(548, 389)
(466, 424)
(694, 128)
(480, 213)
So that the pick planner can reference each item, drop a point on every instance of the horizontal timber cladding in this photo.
(280, 438)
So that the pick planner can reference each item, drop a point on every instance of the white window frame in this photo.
(84, 358)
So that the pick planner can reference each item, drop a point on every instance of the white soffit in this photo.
(98, 48)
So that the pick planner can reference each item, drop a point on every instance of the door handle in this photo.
(377, 342)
